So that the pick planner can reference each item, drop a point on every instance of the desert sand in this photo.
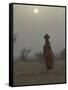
(28, 73)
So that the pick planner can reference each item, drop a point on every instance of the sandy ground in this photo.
(26, 73)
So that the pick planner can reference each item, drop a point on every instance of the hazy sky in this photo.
(31, 27)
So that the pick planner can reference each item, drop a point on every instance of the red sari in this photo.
(48, 55)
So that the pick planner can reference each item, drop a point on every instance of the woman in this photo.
(47, 53)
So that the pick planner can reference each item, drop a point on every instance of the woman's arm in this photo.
(51, 50)
(43, 51)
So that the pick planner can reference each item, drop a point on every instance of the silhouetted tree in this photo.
(39, 56)
(24, 54)
(14, 37)
(62, 53)
(57, 55)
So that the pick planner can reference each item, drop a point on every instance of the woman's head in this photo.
(46, 36)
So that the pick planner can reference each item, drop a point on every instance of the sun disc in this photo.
(36, 11)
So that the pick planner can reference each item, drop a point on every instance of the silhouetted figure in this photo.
(47, 53)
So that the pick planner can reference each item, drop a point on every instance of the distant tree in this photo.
(14, 37)
(39, 56)
(62, 53)
(57, 55)
(24, 54)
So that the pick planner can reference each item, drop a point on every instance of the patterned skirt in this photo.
(49, 60)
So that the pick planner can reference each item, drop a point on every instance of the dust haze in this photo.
(30, 24)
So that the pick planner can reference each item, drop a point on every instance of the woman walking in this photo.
(47, 53)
